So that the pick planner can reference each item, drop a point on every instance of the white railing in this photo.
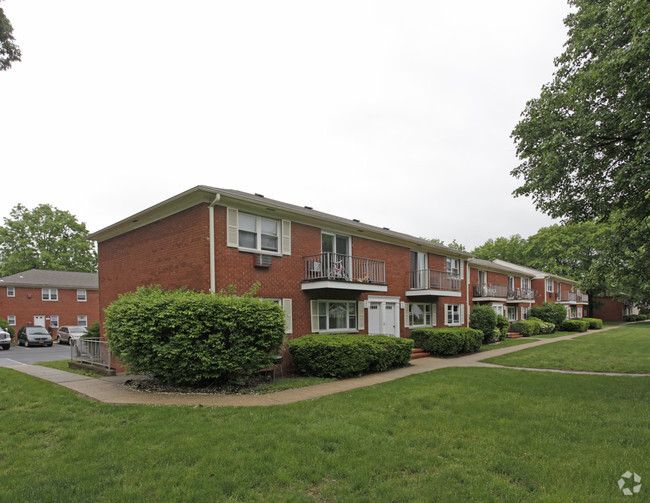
(521, 294)
(338, 267)
(430, 279)
(491, 290)
(92, 351)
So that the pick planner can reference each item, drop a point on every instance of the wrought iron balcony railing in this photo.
(338, 267)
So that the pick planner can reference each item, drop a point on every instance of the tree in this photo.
(585, 142)
(9, 51)
(512, 249)
(455, 245)
(44, 238)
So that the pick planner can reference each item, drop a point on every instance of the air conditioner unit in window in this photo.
(260, 260)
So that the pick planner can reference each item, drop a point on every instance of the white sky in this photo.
(397, 113)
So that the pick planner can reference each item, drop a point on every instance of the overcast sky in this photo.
(397, 113)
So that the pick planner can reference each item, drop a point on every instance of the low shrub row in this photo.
(635, 317)
(447, 341)
(594, 323)
(494, 327)
(345, 355)
(580, 325)
(533, 326)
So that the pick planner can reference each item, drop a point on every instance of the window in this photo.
(51, 294)
(335, 315)
(54, 320)
(511, 283)
(11, 319)
(549, 285)
(420, 315)
(525, 283)
(579, 311)
(524, 313)
(81, 295)
(498, 308)
(453, 314)
(258, 233)
(11, 291)
(82, 320)
(453, 267)
(512, 313)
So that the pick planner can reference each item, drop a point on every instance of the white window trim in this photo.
(461, 315)
(524, 312)
(11, 319)
(408, 315)
(82, 320)
(549, 283)
(85, 295)
(232, 233)
(54, 320)
(11, 291)
(49, 294)
(510, 309)
(315, 316)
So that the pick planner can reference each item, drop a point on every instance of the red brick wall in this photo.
(28, 302)
(174, 252)
(612, 310)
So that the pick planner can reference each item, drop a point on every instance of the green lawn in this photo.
(507, 343)
(624, 349)
(472, 434)
(63, 365)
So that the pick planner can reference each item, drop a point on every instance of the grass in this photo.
(63, 365)
(507, 343)
(625, 349)
(469, 434)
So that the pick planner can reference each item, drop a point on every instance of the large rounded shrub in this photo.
(549, 312)
(190, 338)
(484, 318)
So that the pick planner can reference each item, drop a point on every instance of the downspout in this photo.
(467, 269)
(213, 278)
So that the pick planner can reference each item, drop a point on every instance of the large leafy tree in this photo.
(585, 142)
(44, 238)
(512, 249)
(9, 51)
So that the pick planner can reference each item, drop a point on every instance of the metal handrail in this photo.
(430, 279)
(340, 267)
(521, 294)
(90, 350)
(491, 290)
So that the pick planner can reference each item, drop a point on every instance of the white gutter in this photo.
(213, 279)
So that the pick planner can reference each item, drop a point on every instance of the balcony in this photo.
(491, 291)
(344, 272)
(574, 297)
(522, 294)
(432, 282)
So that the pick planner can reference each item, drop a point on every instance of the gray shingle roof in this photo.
(59, 279)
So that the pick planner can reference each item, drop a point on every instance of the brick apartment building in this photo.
(330, 274)
(49, 299)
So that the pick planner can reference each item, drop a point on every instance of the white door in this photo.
(382, 318)
(39, 320)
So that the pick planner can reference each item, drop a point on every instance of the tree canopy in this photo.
(44, 238)
(9, 51)
(585, 142)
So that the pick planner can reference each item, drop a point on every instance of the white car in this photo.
(5, 339)
(67, 333)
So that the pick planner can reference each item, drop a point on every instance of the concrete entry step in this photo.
(419, 353)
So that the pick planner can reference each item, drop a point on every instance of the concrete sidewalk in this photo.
(112, 389)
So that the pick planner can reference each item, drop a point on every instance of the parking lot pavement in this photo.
(20, 355)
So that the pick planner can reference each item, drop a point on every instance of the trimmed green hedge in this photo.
(594, 323)
(533, 326)
(346, 355)
(484, 318)
(191, 338)
(575, 325)
(550, 312)
(448, 341)
(635, 317)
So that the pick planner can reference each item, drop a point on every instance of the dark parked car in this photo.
(5, 339)
(70, 332)
(34, 336)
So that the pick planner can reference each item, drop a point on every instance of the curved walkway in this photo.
(112, 389)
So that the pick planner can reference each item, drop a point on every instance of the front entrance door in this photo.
(39, 320)
(382, 318)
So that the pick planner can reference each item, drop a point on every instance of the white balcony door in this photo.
(419, 270)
